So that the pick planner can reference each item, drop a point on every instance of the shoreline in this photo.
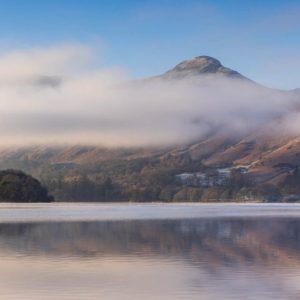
(89, 212)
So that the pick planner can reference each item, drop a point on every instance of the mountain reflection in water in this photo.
(173, 259)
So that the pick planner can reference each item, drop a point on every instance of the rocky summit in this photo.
(201, 65)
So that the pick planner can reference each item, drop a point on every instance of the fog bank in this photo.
(56, 96)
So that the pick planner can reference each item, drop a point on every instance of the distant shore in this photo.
(55, 212)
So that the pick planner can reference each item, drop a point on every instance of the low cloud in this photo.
(56, 96)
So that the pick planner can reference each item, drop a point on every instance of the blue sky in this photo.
(260, 39)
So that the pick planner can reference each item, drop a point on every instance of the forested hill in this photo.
(16, 186)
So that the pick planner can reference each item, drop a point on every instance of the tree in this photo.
(16, 186)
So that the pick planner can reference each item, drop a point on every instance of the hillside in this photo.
(270, 158)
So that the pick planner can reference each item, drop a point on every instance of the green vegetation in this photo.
(143, 180)
(149, 179)
(16, 186)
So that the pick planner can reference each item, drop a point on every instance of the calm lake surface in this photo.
(150, 251)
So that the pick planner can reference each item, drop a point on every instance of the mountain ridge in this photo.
(271, 159)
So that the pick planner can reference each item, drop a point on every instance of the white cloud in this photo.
(54, 96)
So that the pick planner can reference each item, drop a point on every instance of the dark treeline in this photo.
(149, 179)
(16, 186)
(132, 180)
(84, 189)
(140, 181)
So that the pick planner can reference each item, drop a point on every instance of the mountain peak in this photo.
(201, 65)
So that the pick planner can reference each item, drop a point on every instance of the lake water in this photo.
(150, 251)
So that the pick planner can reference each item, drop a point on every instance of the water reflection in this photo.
(174, 259)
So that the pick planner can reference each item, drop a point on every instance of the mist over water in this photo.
(210, 258)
